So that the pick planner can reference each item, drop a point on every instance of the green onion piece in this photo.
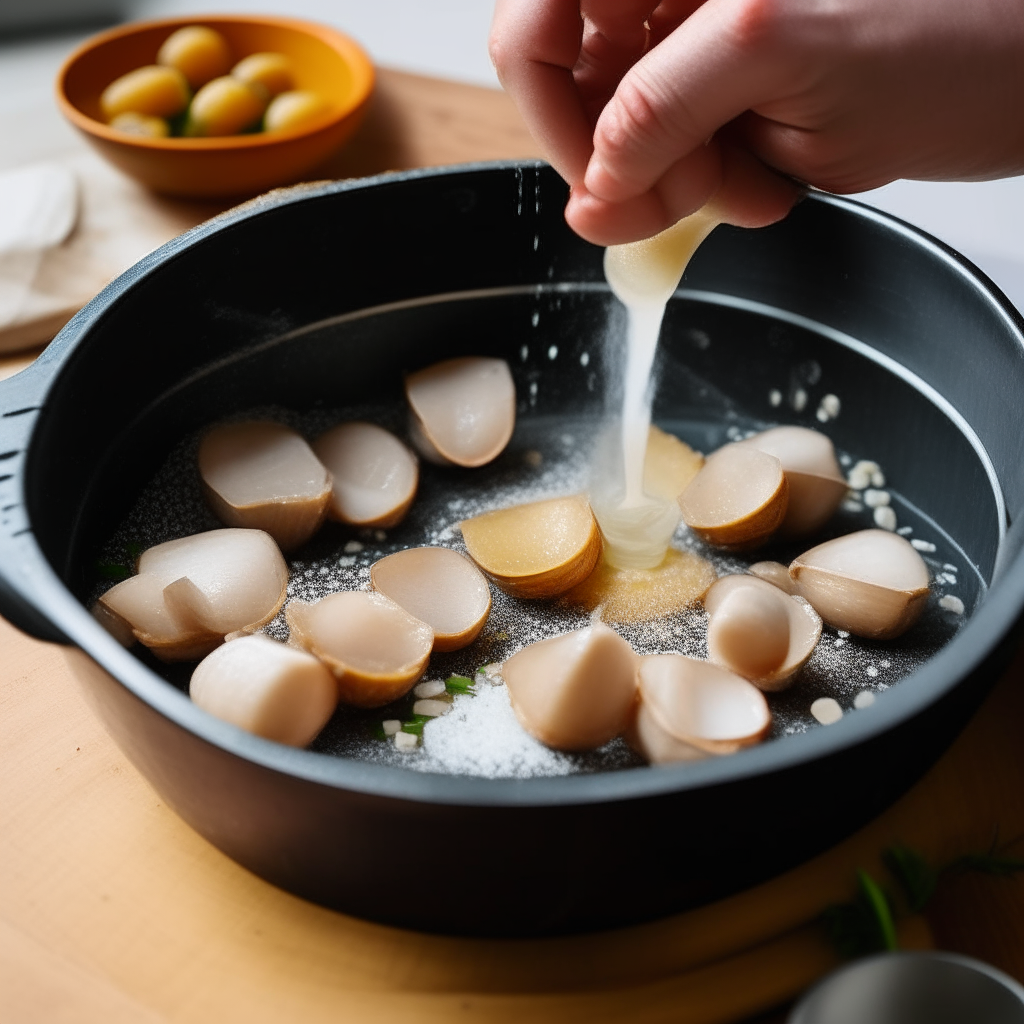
(378, 733)
(415, 724)
(460, 684)
(879, 907)
(917, 878)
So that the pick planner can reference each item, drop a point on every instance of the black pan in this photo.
(324, 295)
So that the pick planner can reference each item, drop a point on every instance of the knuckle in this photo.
(756, 23)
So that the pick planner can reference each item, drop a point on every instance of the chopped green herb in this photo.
(879, 904)
(415, 724)
(113, 571)
(863, 926)
(916, 877)
(377, 731)
(460, 684)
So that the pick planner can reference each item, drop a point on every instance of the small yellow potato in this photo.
(738, 499)
(758, 631)
(266, 688)
(540, 549)
(199, 53)
(264, 476)
(463, 411)
(223, 107)
(375, 649)
(576, 691)
(701, 705)
(374, 475)
(152, 90)
(141, 124)
(271, 72)
(871, 583)
(294, 110)
(440, 587)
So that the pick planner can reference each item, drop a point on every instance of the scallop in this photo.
(699, 705)
(463, 410)
(759, 631)
(871, 583)
(266, 688)
(816, 483)
(375, 476)
(441, 588)
(540, 549)
(738, 499)
(192, 592)
(375, 649)
(264, 476)
(669, 465)
(576, 691)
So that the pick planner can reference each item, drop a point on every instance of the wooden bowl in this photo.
(325, 61)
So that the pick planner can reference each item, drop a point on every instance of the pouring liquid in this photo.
(643, 276)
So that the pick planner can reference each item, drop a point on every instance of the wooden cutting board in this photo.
(413, 122)
(112, 910)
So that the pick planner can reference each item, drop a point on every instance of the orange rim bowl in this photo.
(233, 166)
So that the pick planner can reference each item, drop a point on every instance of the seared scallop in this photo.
(816, 483)
(440, 587)
(738, 499)
(576, 691)
(375, 648)
(266, 688)
(192, 592)
(264, 476)
(374, 475)
(759, 631)
(871, 583)
(540, 549)
(463, 410)
(700, 706)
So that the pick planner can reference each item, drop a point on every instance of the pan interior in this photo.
(724, 370)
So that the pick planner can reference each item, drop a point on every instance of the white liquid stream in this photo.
(643, 276)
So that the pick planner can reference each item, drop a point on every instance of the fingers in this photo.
(723, 59)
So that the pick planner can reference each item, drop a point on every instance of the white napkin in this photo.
(38, 209)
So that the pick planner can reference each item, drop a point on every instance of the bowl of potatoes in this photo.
(225, 107)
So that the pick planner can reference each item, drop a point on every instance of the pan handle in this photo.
(28, 584)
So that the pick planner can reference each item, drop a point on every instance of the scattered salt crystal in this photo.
(535, 318)
(905, 531)
(952, 604)
(585, 359)
(838, 643)
(775, 398)
(826, 710)
(352, 547)
(391, 726)
(844, 459)
(821, 415)
(875, 499)
(877, 478)
(885, 517)
(431, 688)
(861, 475)
(533, 458)
(885, 664)
(864, 699)
(406, 741)
(871, 671)
(431, 708)
(945, 577)
(922, 545)
(799, 399)
(524, 353)
(533, 389)
(346, 560)
(553, 352)
(843, 633)
(831, 404)
(849, 505)
(950, 567)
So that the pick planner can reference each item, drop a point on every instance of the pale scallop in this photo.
(375, 476)
(758, 631)
(264, 476)
(375, 648)
(669, 465)
(463, 410)
(816, 483)
(702, 705)
(191, 592)
(738, 499)
(871, 583)
(540, 549)
(440, 587)
(266, 688)
(576, 691)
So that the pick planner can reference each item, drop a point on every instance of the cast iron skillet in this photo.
(928, 357)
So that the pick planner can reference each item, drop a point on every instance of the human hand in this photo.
(647, 125)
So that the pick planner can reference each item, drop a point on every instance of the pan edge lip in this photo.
(942, 673)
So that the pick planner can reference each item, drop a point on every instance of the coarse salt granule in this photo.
(431, 688)
(885, 518)
(406, 741)
(876, 499)
(951, 603)
(864, 699)
(826, 710)
(860, 476)
(391, 726)
(922, 545)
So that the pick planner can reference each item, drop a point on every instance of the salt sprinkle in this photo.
(406, 741)
(775, 398)
(878, 478)
(346, 560)
(922, 545)
(849, 505)
(352, 547)
(585, 359)
(871, 671)
(524, 353)
(861, 475)
(553, 352)
(952, 604)
(875, 499)
(831, 405)
(905, 531)
(864, 699)
(535, 319)
(950, 567)
(391, 726)
(946, 577)
(431, 688)
(799, 399)
(885, 517)
(843, 633)
(826, 710)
